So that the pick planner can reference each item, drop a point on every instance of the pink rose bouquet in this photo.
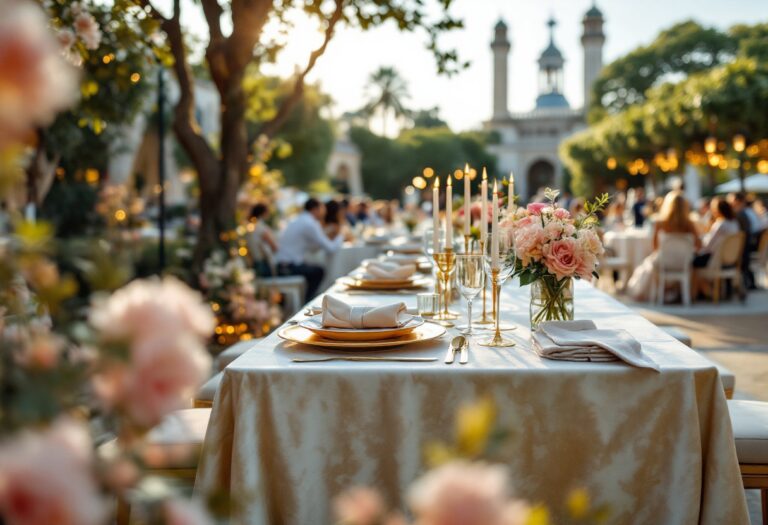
(552, 247)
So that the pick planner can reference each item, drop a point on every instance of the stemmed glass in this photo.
(505, 269)
(471, 279)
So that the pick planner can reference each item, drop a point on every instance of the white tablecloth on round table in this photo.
(657, 447)
(632, 245)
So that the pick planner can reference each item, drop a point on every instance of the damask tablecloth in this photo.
(284, 438)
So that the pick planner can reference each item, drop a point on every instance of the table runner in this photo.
(657, 447)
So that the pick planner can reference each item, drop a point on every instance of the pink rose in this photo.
(536, 208)
(561, 213)
(359, 506)
(460, 493)
(36, 81)
(46, 478)
(88, 30)
(562, 258)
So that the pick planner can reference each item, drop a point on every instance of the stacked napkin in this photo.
(389, 271)
(583, 341)
(338, 314)
(401, 258)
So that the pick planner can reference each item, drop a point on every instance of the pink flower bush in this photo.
(46, 478)
(549, 241)
(36, 82)
(88, 30)
(163, 324)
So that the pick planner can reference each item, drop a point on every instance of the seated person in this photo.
(304, 234)
(260, 240)
(723, 225)
(335, 221)
(674, 217)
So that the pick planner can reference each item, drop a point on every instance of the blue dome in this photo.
(551, 100)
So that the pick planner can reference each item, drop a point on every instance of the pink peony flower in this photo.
(163, 376)
(460, 493)
(561, 213)
(186, 512)
(152, 307)
(46, 478)
(529, 241)
(88, 30)
(359, 506)
(66, 38)
(535, 208)
(562, 257)
(36, 82)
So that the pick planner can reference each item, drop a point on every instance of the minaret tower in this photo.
(551, 63)
(592, 40)
(500, 47)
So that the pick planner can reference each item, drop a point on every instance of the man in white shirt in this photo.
(304, 235)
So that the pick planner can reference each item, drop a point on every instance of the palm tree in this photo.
(387, 90)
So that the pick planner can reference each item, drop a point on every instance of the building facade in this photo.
(529, 141)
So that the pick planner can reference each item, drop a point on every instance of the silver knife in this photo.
(464, 359)
(362, 358)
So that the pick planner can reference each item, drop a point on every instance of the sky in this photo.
(465, 99)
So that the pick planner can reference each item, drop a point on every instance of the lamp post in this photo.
(739, 145)
(161, 169)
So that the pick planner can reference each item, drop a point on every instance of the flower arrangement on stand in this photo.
(230, 287)
(551, 248)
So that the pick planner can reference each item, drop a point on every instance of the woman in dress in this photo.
(674, 217)
(723, 225)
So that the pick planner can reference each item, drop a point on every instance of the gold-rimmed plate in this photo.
(373, 281)
(315, 325)
(359, 284)
(298, 334)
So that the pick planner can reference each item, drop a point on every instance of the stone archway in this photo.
(541, 174)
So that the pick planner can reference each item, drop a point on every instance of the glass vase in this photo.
(551, 300)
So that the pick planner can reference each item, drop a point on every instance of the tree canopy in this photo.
(415, 149)
(707, 88)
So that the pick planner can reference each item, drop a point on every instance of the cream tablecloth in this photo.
(657, 447)
(632, 244)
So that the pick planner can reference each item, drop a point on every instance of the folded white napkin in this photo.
(338, 314)
(583, 341)
(401, 258)
(389, 271)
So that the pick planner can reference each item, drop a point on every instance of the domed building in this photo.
(528, 142)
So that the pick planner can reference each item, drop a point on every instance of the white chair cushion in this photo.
(173, 444)
(233, 352)
(750, 429)
(208, 391)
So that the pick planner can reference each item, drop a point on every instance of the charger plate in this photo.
(364, 284)
(315, 324)
(298, 334)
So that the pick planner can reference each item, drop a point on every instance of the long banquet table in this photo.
(285, 437)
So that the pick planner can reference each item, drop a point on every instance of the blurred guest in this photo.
(638, 208)
(738, 202)
(335, 221)
(614, 216)
(761, 212)
(260, 240)
(723, 224)
(304, 235)
(674, 217)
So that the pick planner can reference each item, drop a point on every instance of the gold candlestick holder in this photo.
(496, 340)
(467, 242)
(484, 319)
(446, 263)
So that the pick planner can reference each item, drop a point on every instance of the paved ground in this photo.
(733, 334)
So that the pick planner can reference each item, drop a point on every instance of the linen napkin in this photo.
(401, 258)
(338, 314)
(389, 271)
(583, 341)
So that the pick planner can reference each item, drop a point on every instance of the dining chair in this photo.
(674, 264)
(291, 287)
(759, 262)
(749, 420)
(171, 451)
(725, 264)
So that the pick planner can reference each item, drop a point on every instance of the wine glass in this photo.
(471, 279)
(501, 271)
